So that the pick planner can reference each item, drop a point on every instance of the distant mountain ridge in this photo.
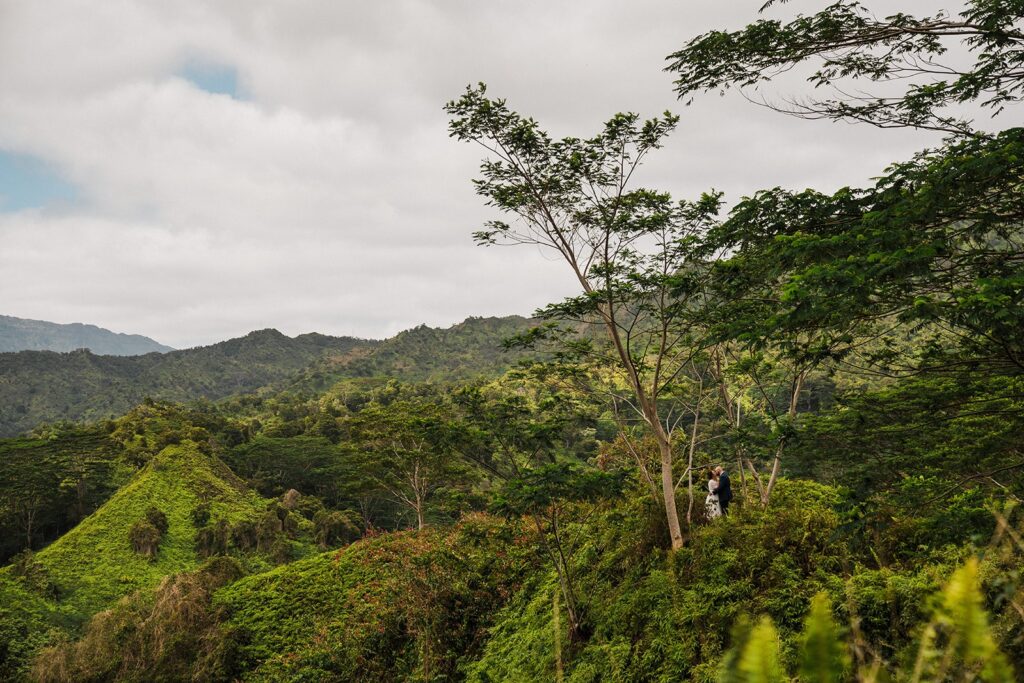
(466, 350)
(44, 386)
(38, 387)
(21, 334)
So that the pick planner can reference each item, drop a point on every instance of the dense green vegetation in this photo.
(419, 509)
(38, 387)
(104, 557)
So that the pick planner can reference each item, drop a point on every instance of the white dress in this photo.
(712, 508)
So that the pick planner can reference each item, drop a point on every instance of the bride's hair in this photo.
(711, 473)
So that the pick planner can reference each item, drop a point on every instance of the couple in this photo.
(719, 493)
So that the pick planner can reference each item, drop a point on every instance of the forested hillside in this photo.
(38, 387)
(776, 443)
(18, 334)
(470, 349)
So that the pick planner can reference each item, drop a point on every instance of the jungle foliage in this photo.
(424, 511)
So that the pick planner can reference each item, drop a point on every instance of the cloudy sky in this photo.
(192, 171)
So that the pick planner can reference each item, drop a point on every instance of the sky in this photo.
(192, 171)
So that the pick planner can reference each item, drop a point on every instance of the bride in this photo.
(712, 508)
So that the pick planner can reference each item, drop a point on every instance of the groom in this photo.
(724, 489)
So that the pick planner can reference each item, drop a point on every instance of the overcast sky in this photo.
(192, 171)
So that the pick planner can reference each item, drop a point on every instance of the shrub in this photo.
(145, 538)
(161, 635)
(34, 575)
(201, 515)
(157, 519)
(956, 644)
(332, 528)
(213, 539)
(244, 535)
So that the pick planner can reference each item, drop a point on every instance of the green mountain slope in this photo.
(43, 386)
(394, 607)
(479, 602)
(20, 334)
(37, 387)
(94, 565)
(470, 349)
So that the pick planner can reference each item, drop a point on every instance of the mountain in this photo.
(93, 565)
(37, 387)
(472, 348)
(19, 334)
(43, 386)
(370, 611)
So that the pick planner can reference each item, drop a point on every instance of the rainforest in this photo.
(777, 437)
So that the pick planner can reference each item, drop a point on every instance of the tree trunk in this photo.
(559, 668)
(689, 466)
(554, 551)
(794, 401)
(668, 487)
(743, 474)
(689, 492)
(649, 406)
(766, 494)
(757, 480)
(30, 519)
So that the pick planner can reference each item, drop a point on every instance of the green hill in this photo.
(462, 351)
(398, 606)
(94, 565)
(478, 602)
(470, 349)
(19, 334)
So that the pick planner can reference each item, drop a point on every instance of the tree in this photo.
(531, 439)
(628, 248)
(923, 272)
(408, 449)
(771, 384)
(546, 494)
(847, 42)
(936, 244)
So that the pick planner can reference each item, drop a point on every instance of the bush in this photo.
(213, 539)
(34, 575)
(145, 538)
(158, 519)
(244, 535)
(161, 635)
(201, 515)
(332, 528)
(662, 616)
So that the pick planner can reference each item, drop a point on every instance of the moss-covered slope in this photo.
(94, 565)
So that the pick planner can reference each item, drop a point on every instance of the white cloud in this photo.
(330, 198)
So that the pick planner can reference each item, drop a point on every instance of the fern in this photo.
(958, 643)
(823, 658)
(755, 659)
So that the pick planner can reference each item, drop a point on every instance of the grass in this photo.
(93, 564)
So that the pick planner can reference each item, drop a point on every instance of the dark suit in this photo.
(724, 492)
